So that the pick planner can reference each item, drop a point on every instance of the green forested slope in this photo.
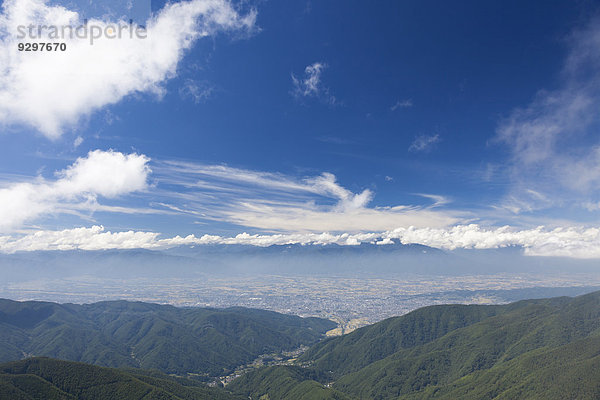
(126, 334)
(571, 371)
(284, 382)
(45, 379)
(505, 342)
(374, 342)
(535, 349)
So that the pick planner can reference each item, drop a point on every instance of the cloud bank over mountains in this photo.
(51, 91)
(560, 242)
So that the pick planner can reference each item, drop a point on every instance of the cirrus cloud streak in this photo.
(276, 202)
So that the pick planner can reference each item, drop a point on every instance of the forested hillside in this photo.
(533, 349)
(285, 382)
(170, 339)
(543, 349)
(48, 379)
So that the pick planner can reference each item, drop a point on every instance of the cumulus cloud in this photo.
(53, 90)
(107, 174)
(554, 140)
(93, 238)
(310, 85)
(562, 242)
(424, 143)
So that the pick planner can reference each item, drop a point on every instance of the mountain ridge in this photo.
(137, 334)
(517, 350)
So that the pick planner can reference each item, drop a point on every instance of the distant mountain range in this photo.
(531, 349)
(297, 260)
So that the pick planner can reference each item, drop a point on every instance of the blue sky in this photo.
(299, 118)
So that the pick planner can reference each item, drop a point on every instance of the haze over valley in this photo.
(353, 286)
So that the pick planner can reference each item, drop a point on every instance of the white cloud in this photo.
(424, 143)
(308, 217)
(437, 199)
(53, 90)
(347, 201)
(311, 85)
(93, 238)
(188, 173)
(197, 91)
(253, 199)
(591, 206)
(77, 142)
(554, 140)
(101, 173)
(561, 242)
(276, 202)
(407, 103)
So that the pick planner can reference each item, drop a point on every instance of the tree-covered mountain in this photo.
(134, 334)
(285, 382)
(49, 379)
(366, 345)
(534, 349)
